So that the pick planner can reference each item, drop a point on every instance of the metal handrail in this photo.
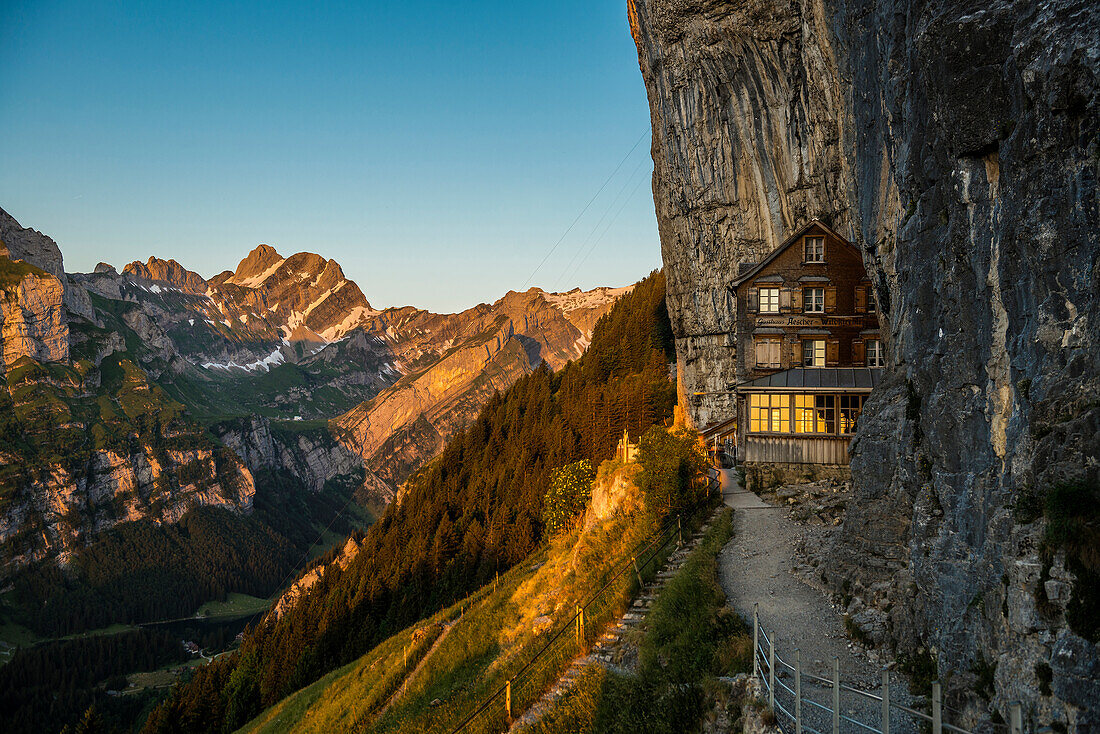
(768, 663)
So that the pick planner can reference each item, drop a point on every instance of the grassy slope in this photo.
(690, 638)
(490, 642)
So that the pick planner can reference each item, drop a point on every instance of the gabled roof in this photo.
(743, 276)
(818, 378)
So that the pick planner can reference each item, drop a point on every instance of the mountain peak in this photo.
(167, 271)
(256, 263)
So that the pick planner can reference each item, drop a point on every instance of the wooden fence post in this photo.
(771, 673)
(508, 699)
(797, 691)
(756, 640)
(1015, 718)
(937, 708)
(836, 695)
(885, 701)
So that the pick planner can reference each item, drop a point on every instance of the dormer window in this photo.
(814, 249)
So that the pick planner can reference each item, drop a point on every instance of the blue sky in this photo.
(437, 150)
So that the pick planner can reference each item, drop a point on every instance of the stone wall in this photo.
(956, 146)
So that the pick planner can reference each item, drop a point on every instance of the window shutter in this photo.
(796, 299)
(830, 299)
(796, 354)
(858, 357)
(832, 353)
(754, 300)
(785, 300)
(861, 299)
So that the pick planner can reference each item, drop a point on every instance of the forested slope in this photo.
(473, 512)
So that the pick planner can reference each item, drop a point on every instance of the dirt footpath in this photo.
(755, 567)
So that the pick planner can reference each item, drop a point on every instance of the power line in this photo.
(577, 219)
(596, 227)
(608, 227)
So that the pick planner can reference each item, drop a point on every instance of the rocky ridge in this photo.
(957, 147)
(450, 366)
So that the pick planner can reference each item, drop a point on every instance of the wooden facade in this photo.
(808, 349)
(790, 307)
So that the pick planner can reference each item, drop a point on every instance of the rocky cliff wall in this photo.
(957, 147)
(30, 245)
(32, 322)
(314, 457)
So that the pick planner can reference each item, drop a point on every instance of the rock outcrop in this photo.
(958, 147)
(80, 456)
(31, 246)
(313, 456)
(32, 322)
(309, 579)
(168, 272)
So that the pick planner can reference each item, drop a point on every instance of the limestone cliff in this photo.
(957, 146)
(312, 455)
(31, 246)
(32, 320)
(85, 448)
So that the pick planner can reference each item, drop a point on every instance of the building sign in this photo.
(803, 321)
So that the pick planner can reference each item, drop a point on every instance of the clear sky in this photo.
(436, 150)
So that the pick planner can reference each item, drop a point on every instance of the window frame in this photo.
(848, 414)
(816, 255)
(761, 291)
(808, 300)
(873, 355)
(772, 417)
(810, 359)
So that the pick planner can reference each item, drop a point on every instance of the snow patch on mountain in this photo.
(265, 364)
(577, 299)
(256, 280)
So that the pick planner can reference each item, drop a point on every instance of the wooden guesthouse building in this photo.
(808, 349)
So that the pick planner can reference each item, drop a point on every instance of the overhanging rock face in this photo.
(956, 145)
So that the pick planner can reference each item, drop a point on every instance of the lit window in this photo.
(804, 414)
(825, 412)
(813, 353)
(769, 300)
(814, 414)
(813, 300)
(850, 408)
(815, 249)
(767, 352)
(875, 357)
(769, 413)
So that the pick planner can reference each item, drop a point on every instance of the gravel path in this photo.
(755, 567)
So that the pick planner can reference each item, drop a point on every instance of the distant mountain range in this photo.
(282, 364)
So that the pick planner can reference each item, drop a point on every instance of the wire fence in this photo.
(526, 686)
(790, 705)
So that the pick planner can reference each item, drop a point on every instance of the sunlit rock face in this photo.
(452, 364)
(32, 320)
(29, 245)
(957, 146)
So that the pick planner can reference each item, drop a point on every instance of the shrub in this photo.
(671, 460)
(570, 490)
